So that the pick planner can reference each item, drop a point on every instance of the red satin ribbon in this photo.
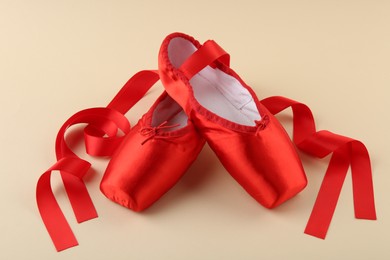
(346, 152)
(209, 53)
(102, 136)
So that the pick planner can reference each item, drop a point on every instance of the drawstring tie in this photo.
(151, 132)
(262, 123)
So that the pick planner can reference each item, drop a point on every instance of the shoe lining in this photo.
(216, 90)
(168, 110)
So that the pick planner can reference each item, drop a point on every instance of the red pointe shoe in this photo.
(147, 160)
(153, 156)
(247, 138)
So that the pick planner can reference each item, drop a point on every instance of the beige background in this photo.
(58, 57)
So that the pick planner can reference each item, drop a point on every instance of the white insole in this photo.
(179, 119)
(215, 90)
(168, 110)
(224, 97)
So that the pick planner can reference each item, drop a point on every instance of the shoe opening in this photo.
(214, 89)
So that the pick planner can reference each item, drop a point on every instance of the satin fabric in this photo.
(102, 137)
(345, 152)
(149, 161)
(151, 158)
(261, 158)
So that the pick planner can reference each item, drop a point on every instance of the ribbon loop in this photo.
(106, 127)
(207, 54)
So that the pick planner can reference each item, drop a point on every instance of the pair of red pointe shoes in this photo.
(207, 101)
(204, 101)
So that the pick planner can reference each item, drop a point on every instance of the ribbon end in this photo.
(366, 217)
(315, 233)
(60, 248)
(81, 219)
(365, 211)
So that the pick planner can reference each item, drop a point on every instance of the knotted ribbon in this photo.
(151, 132)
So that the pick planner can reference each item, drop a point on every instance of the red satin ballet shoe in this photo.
(153, 156)
(148, 159)
(247, 138)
